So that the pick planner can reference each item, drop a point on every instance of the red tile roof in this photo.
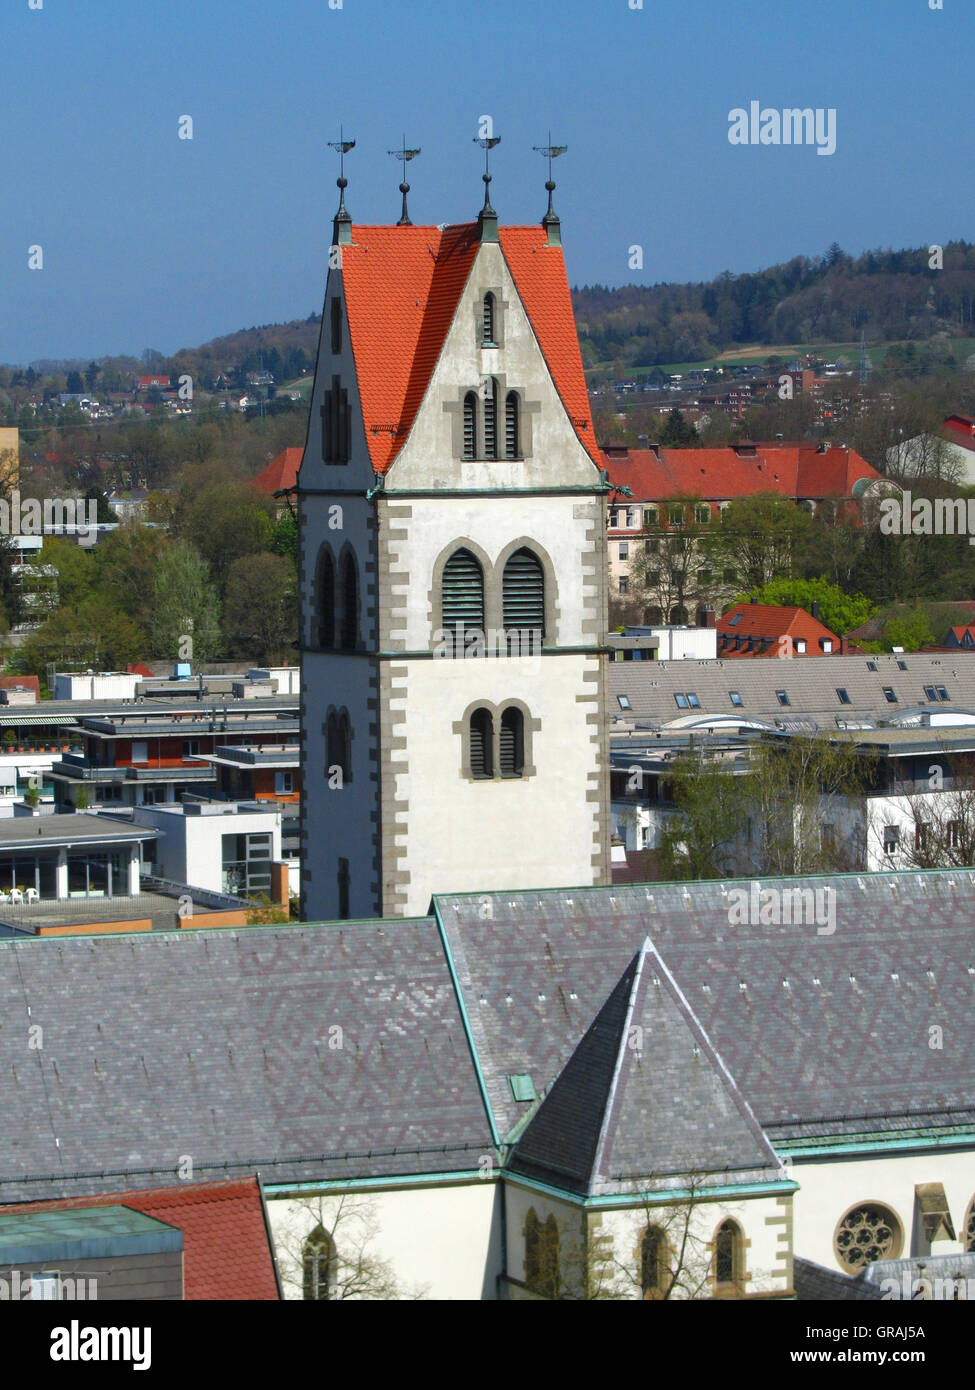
(722, 474)
(280, 473)
(26, 682)
(226, 1252)
(771, 622)
(960, 430)
(402, 286)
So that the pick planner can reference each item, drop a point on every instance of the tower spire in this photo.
(551, 221)
(342, 225)
(405, 155)
(487, 219)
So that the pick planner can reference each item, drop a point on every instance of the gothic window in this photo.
(491, 420)
(318, 1261)
(482, 744)
(462, 601)
(344, 912)
(336, 325)
(654, 1263)
(335, 424)
(470, 425)
(869, 1232)
(325, 601)
(338, 747)
(511, 449)
(487, 321)
(728, 1253)
(350, 603)
(523, 594)
(542, 1255)
(511, 750)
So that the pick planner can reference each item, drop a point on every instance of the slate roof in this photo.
(402, 285)
(815, 1283)
(824, 1033)
(227, 1251)
(811, 683)
(643, 1094)
(223, 1045)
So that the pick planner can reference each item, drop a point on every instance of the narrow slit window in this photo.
(511, 432)
(462, 608)
(511, 751)
(481, 744)
(470, 425)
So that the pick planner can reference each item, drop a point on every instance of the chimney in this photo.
(705, 616)
(753, 600)
(815, 609)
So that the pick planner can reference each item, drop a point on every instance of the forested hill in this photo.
(886, 295)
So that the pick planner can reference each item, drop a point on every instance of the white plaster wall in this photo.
(829, 1188)
(559, 525)
(443, 1242)
(528, 832)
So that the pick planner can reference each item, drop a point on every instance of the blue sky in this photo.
(152, 241)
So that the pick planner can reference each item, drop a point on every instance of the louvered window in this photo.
(326, 601)
(470, 425)
(523, 589)
(511, 751)
(488, 321)
(350, 604)
(491, 420)
(511, 425)
(481, 744)
(463, 597)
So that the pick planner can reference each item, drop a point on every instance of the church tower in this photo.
(453, 574)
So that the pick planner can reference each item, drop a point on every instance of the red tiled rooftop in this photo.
(226, 1251)
(25, 682)
(280, 473)
(402, 286)
(771, 621)
(794, 470)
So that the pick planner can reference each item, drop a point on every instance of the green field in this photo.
(748, 356)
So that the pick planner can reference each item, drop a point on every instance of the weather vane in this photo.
(404, 155)
(487, 144)
(551, 152)
(342, 146)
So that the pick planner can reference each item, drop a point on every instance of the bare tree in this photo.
(943, 817)
(330, 1252)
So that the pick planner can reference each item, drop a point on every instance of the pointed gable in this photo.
(538, 271)
(643, 1098)
(402, 286)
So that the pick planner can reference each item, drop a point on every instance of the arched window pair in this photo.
(338, 747)
(318, 1265)
(507, 758)
(489, 449)
(542, 1255)
(522, 599)
(336, 619)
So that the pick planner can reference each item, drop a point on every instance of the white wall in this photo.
(190, 847)
(829, 1188)
(441, 1242)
